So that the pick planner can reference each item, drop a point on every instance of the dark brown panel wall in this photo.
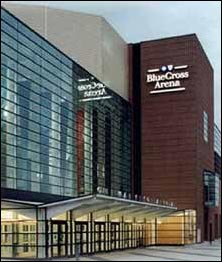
(174, 153)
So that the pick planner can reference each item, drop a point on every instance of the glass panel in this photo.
(63, 146)
(18, 233)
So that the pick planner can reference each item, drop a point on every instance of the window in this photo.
(211, 189)
(205, 126)
(217, 140)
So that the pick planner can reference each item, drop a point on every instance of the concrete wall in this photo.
(115, 60)
(88, 39)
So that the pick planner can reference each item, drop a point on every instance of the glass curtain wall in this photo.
(51, 141)
(106, 140)
(38, 112)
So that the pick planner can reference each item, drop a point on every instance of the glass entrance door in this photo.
(115, 236)
(59, 240)
(139, 235)
(127, 235)
(81, 237)
(100, 237)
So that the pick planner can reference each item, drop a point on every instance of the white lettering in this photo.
(90, 86)
(167, 80)
(95, 93)
(168, 76)
(149, 79)
(167, 84)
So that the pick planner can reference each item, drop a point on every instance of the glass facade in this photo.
(51, 141)
(104, 135)
(22, 234)
(211, 189)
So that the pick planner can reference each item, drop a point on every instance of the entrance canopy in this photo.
(103, 205)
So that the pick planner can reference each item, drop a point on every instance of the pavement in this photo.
(197, 252)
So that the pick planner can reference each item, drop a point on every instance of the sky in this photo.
(138, 21)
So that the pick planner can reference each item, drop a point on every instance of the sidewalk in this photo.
(198, 252)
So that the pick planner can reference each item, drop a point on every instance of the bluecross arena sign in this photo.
(90, 90)
(167, 78)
